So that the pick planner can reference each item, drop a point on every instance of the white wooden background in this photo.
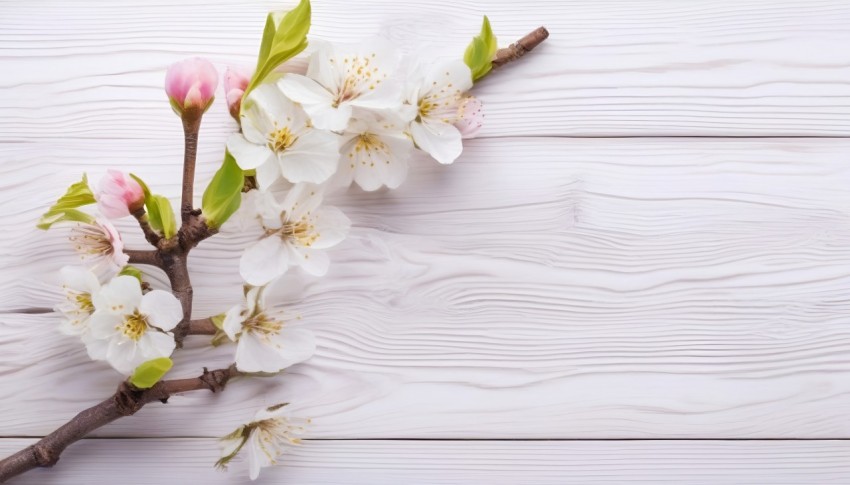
(640, 272)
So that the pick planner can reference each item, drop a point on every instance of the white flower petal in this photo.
(162, 309)
(121, 295)
(275, 106)
(248, 155)
(264, 261)
(444, 146)
(96, 348)
(296, 345)
(257, 458)
(301, 200)
(153, 345)
(233, 320)
(312, 261)
(267, 174)
(253, 354)
(123, 355)
(313, 158)
(304, 90)
(331, 225)
(102, 324)
(328, 117)
(80, 279)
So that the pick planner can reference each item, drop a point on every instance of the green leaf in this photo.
(77, 195)
(70, 215)
(284, 37)
(218, 320)
(479, 54)
(150, 372)
(141, 182)
(131, 271)
(161, 215)
(223, 195)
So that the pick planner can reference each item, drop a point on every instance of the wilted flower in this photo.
(265, 343)
(437, 98)
(267, 437)
(100, 242)
(294, 234)
(277, 139)
(236, 80)
(127, 328)
(343, 79)
(190, 85)
(119, 195)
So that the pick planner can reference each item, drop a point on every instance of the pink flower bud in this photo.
(470, 115)
(191, 85)
(236, 81)
(118, 195)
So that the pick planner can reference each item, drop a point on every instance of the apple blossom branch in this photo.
(171, 255)
(126, 401)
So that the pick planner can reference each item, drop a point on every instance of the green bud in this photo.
(150, 372)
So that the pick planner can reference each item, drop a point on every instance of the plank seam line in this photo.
(568, 440)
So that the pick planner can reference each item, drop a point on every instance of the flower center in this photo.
(263, 325)
(346, 92)
(89, 239)
(425, 108)
(281, 139)
(302, 231)
(134, 326)
(84, 303)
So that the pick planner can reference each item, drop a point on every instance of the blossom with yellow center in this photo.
(265, 438)
(292, 233)
(100, 243)
(128, 328)
(344, 82)
(277, 140)
(80, 285)
(265, 342)
(374, 153)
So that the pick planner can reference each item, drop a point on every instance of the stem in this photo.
(152, 236)
(126, 401)
(204, 326)
(520, 47)
(191, 126)
(139, 256)
(175, 267)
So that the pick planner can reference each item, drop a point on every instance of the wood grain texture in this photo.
(94, 70)
(99, 462)
(539, 288)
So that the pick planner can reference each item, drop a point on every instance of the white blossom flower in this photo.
(127, 328)
(80, 285)
(341, 80)
(99, 242)
(470, 117)
(295, 233)
(374, 152)
(437, 98)
(277, 139)
(265, 343)
(267, 437)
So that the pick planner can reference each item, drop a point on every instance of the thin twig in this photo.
(204, 326)
(126, 401)
(520, 47)
(152, 236)
(191, 127)
(143, 256)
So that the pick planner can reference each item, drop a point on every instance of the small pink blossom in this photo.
(119, 195)
(191, 84)
(100, 242)
(236, 81)
(470, 117)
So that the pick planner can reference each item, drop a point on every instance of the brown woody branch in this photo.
(520, 47)
(126, 401)
(204, 326)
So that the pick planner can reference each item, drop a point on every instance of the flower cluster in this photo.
(358, 115)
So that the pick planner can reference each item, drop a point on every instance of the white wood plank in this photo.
(173, 461)
(545, 288)
(94, 70)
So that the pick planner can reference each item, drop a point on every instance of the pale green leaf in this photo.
(131, 271)
(150, 372)
(161, 215)
(77, 195)
(479, 54)
(223, 195)
(284, 37)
